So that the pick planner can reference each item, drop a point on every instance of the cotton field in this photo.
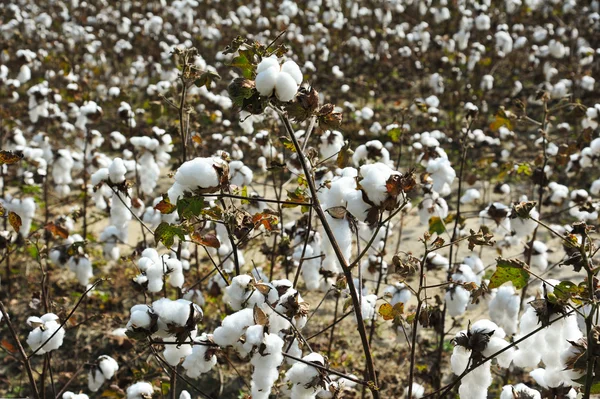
(299, 199)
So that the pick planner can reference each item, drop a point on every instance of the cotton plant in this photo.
(156, 269)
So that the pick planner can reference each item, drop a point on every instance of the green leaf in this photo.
(245, 194)
(524, 169)
(513, 270)
(395, 134)
(207, 78)
(166, 234)
(436, 225)
(188, 207)
(243, 63)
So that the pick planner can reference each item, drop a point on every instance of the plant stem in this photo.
(373, 386)
(26, 362)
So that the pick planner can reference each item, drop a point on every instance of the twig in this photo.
(26, 363)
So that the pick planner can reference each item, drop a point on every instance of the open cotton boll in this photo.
(117, 171)
(141, 317)
(44, 328)
(291, 68)
(441, 172)
(71, 395)
(470, 196)
(202, 359)
(373, 181)
(303, 377)
(266, 362)
(524, 227)
(539, 255)
(504, 308)
(457, 299)
(343, 235)
(174, 353)
(285, 87)
(199, 173)
(367, 306)
(140, 390)
(232, 327)
(432, 205)
(521, 390)
(82, 267)
(529, 351)
(418, 391)
(332, 142)
(104, 370)
(175, 313)
(239, 291)
(240, 174)
(267, 63)
(399, 293)
(265, 80)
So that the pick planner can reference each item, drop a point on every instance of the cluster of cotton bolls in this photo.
(148, 170)
(155, 267)
(283, 79)
(47, 334)
(550, 345)
(120, 213)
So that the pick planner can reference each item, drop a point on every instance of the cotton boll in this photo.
(117, 171)
(232, 327)
(504, 308)
(457, 300)
(267, 63)
(293, 70)
(367, 306)
(470, 196)
(303, 377)
(267, 79)
(332, 142)
(418, 391)
(239, 174)
(238, 292)
(266, 362)
(202, 359)
(71, 395)
(522, 390)
(82, 267)
(104, 370)
(199, 173)
(44, 328)
(432, 205)
(285, 87)
(539, 255)
(174, 353)
(140, 390)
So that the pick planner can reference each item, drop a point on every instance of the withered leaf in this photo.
(10, 157)
(57, 230)
(207, 240)
(15, 221)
